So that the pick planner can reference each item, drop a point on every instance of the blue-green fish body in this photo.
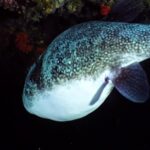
(81, 66)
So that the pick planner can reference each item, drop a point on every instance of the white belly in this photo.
(69, 101)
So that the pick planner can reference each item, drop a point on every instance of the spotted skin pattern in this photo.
(86, 50)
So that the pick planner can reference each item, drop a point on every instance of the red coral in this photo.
(104, 9)
(22, 42)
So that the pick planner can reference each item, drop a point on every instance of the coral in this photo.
(106, 6)
(35, 10)
(105, 9)
(9, 4)
(95, 1)
(49, 6)
(74, 6)
(22, 42)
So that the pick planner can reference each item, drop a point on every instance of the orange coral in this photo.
(22, 42)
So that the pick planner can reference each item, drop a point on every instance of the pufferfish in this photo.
(82, 65)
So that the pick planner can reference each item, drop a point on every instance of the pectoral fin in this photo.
(99, 92)
(132, 83)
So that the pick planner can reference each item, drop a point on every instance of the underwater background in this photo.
(26, 29)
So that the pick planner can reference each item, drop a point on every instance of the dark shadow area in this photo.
(117, 124)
